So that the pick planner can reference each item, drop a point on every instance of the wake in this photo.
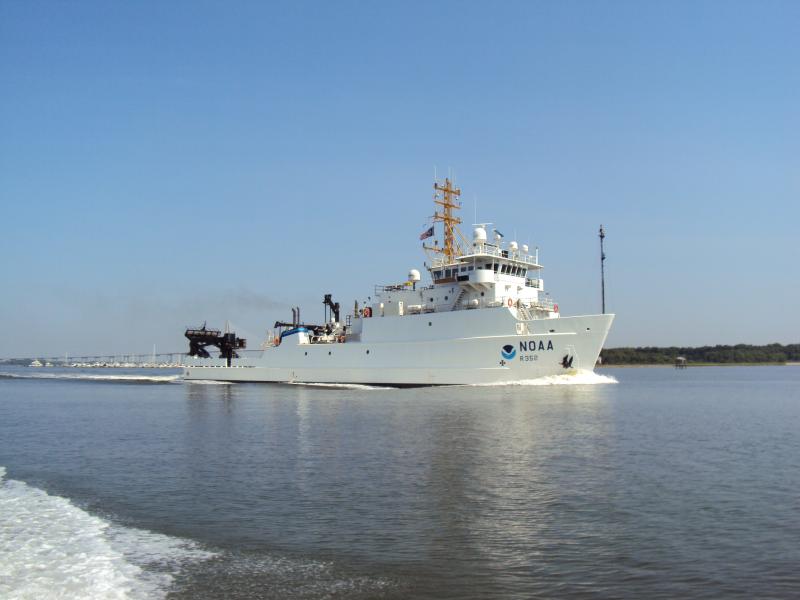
(50, 548)
(577, 378)
(94, 377)
(340, 386)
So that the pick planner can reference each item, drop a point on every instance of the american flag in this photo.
(427, 233)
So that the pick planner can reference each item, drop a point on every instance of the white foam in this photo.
(93, 377)
(50, 548)
(205, 382)
(576, 378)
(340, 386)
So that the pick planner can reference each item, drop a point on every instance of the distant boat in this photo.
(36, 363)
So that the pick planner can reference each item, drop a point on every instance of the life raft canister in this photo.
(555, 308)
(510, 303)
(367, 312)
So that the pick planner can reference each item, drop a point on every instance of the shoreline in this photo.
(688, 365)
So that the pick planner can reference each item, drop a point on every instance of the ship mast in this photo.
(446, 196)
(602, 270)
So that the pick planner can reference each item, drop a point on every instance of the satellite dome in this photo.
(413, 275)
(479, 235)
(513, 246)
(525, 248)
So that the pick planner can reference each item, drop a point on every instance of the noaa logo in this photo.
(508, 352)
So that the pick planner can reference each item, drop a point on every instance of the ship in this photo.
(481, 317)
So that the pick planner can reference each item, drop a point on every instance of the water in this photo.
(136, 485)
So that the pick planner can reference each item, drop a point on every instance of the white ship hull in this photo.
(456, 347)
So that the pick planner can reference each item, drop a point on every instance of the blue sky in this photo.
(166, 163)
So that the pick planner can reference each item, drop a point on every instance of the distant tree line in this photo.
(740, 353)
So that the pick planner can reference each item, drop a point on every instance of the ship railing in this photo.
(191, 330)
(526, 308)
(503, 302)
(545, 305)
(417, 309)
(490, 250)
(400, 287)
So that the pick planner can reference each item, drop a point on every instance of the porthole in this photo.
(329, 353)
(429, 323)
(367, 351)
(306, 353)
(588, 329)
(552, 331)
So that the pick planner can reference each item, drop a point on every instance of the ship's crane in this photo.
(227, 343)
(334, 306)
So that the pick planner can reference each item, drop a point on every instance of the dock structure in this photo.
(680, 362)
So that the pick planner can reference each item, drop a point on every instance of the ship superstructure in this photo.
(483, 318)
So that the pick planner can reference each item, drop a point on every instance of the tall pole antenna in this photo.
(602, 270)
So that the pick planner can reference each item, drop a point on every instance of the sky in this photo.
(163, 164)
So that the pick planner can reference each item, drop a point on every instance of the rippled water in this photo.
(666, 484)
